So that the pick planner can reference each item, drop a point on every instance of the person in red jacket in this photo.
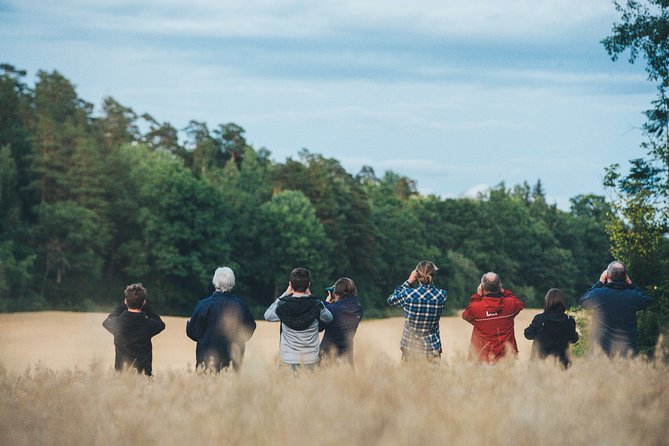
(491, 311)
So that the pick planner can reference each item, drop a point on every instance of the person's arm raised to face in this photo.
(412, 277)
(604, 277)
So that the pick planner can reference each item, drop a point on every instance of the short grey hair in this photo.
(224, 279)
(491, 282)
(616, 271)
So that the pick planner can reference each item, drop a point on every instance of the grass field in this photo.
(58, 388)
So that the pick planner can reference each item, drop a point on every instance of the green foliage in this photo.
(293, 236)
(181, 225)
(90, 203)
(582, 317)
(638, 224)
(461, 275)
(644, 31)
(70, 239)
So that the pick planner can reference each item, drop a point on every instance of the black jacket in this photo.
(220, 324)
(299, 313)
(132, 337)
(552, 333)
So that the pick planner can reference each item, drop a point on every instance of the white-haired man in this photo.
(221, 324)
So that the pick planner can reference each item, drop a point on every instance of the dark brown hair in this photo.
(555, 301)
(135, 295)
(300, 279)
(345, 287)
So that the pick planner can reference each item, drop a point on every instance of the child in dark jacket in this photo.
(552, 330)
(133, 324)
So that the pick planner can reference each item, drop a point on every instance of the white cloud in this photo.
(477, 190)
(450, 93)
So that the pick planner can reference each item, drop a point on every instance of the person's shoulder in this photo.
(475, 305)
(204, 301)
(539, 316)
(634, 290)
(207, 302)
(234, 297)
(338, 304)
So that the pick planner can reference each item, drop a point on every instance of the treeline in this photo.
(92, 201)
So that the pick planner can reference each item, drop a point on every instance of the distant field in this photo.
(58, 388)
(63, 340)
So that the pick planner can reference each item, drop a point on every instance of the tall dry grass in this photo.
(596, 402)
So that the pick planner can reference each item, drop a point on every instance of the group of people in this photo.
(614, 299)
(222, 323)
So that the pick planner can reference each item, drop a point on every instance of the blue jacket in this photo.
(615, 305)
(220, 324)
(338, 338)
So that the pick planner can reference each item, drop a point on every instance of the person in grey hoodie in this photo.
(299, 313)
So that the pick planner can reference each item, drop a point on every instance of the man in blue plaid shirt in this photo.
(422, 310)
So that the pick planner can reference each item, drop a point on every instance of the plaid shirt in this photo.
(422, 310)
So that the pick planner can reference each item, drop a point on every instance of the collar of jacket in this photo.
(222, 293)
(617, 285)
(291, 298)
(496, 295)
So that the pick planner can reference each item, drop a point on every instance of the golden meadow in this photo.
(379, 402)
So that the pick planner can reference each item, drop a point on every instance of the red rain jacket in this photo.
(492, 317)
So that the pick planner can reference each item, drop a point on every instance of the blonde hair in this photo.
(425, 272)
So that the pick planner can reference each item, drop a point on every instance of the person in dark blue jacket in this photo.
(615, 301)
(342, 301)
(221, 324)
(553, 330)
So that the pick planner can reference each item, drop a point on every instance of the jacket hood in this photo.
(298, 312)
(493, 304)
(617, 285)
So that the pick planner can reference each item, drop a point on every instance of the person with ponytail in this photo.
(423, 303)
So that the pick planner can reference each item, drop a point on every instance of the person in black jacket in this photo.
(552, 330)
(221, 324)
(133, 324)
(342, 301)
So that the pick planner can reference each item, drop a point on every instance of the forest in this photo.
(93, 200)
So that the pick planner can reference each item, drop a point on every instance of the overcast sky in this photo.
(454, 94)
